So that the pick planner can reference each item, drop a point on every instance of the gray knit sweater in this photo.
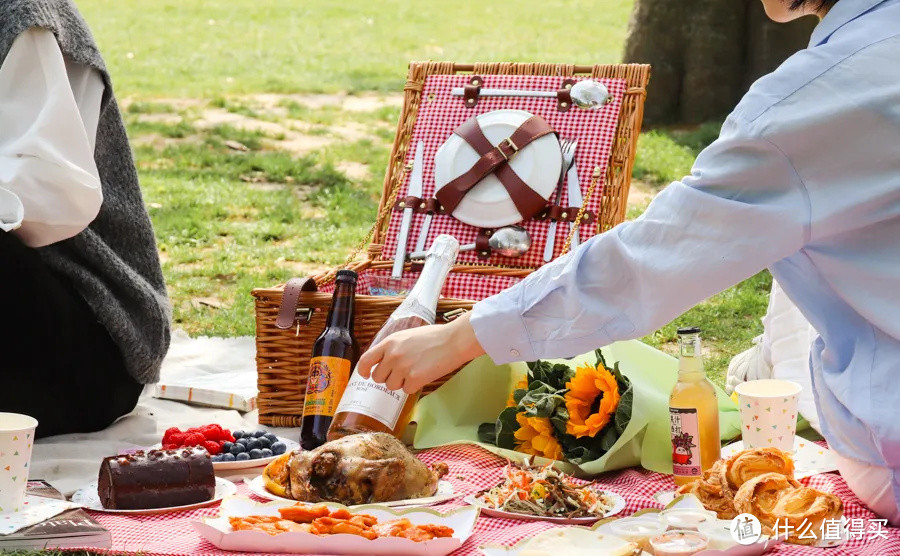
(114, 263)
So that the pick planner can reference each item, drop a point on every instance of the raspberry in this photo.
(176, 438)
(168, 434)
(170, 446)
(193, 439)
(212, 447)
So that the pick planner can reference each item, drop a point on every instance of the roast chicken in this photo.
(357, 469)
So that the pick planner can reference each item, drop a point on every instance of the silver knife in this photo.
(575, 200)
(414, 190)
(426, 223)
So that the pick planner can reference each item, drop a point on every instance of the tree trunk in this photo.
(706, 53)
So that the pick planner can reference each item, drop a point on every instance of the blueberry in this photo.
(238, 448)
(226, 446)
(257, 434)
(267, 453)
(243, 441)
(237, 434)
(255, 453)
(278, 448)
(254, 444)
(217, 457)
(243, 456)
(264, 442)
(227, 456)
(272, 438)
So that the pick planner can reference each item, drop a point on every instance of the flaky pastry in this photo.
(745, 465)
(804, 510)
(713, 493)
(759, 495)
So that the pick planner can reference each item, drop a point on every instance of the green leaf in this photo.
(608, 437)
(559, 419)
(487, 433)
(506, 428)
(579, 450)
(554, 375)
(626, 401)
(600, 359)
(541, 400)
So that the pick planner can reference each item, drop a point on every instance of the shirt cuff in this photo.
(12, 212)
(500, 330)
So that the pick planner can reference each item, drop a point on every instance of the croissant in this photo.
(748, 464)
(715, 495)
(759, 495)
(804, 510)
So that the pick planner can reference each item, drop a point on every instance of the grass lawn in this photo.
(257, 167)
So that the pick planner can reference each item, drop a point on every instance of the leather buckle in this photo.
(508, 143)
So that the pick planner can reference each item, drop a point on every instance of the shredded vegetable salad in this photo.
(545, 492)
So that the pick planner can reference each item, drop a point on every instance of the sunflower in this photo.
(535, 437)
(591, 400)
(521, 385)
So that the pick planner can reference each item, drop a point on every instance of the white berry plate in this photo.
(88, 497)
(444, 492)
(219, 532)
(247, 463)
(617, 501)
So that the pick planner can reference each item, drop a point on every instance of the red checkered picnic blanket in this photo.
(471, 470)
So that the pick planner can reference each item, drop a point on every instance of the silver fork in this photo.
(567, 148)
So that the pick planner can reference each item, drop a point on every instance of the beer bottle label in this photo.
(685, 442)
(368, 397)
(326, 384)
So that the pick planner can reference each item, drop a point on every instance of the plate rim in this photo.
(227, 487)
(617, 508)
(497, 222)
(257, 487)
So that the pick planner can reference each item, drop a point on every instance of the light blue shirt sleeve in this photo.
(742, 208)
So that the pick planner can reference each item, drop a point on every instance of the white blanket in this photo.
(73, 460)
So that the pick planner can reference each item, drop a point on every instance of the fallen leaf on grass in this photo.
(236, 145)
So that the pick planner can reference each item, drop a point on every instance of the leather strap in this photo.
(419, 205)
(482, 244)
(564, 96)
(494, 160)
(565, 214)
(472, 91)
(287, 312)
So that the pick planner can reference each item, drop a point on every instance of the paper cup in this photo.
(16, 438)
(768, 413)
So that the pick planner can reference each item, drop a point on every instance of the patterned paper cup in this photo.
(768, 413)
(16, 438)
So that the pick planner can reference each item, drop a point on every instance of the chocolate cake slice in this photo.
(156, 479)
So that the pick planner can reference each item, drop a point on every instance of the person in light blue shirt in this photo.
(804, 180)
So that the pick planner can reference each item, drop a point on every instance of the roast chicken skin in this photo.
(356, 469)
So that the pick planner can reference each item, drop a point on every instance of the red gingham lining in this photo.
(459, 285)
(473, 469)
(438, 117)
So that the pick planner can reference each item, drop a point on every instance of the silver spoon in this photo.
(511, 241)
(588, 94)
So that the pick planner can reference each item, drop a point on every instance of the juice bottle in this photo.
(694, 413)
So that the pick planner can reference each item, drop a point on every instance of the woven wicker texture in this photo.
(282, 356)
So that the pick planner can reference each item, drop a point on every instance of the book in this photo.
(71, 528)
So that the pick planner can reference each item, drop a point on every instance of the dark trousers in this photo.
(57, 362)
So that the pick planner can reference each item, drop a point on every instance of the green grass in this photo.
(230, 220)
(208, 48)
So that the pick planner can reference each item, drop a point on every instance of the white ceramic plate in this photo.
(488, 205)
(247, 464)
(809, 458)
(618, 506)
(444, 493)
(88, 497)
(219, 532)
(516, 549)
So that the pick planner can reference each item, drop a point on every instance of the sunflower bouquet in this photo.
(560, 413)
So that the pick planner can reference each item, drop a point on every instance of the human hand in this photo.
(412, 358)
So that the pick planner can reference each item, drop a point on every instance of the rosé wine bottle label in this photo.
(685, 442)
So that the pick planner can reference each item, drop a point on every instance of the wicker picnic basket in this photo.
(282, 355)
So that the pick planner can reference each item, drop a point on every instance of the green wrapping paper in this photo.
(478, 393)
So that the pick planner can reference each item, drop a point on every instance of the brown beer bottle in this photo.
(334, 355)
(370, 407)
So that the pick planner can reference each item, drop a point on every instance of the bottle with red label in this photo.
(694, 413)
(334, 356)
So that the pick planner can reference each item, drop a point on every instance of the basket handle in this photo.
(287, 312)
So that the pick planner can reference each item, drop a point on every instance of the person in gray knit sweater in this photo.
(83, 306)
